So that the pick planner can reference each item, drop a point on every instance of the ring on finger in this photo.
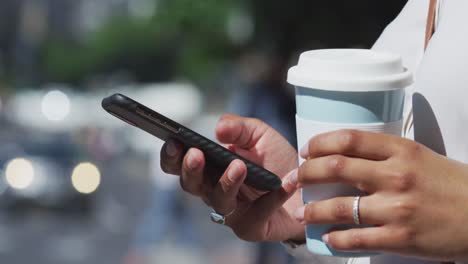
(356, 215)
(220, 218)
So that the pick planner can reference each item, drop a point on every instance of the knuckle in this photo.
(336, 164)
(356, 240)
(411, 150)
(227, 185)
(341, 210)
(403, 180)
(405, 236)
(414, 149)
(348, 140)
(258, 123)
(403, 210)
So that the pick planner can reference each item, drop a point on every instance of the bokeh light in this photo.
(143, 9)
(86, 178)
(55, 105)
(19, 173)
(240, 27)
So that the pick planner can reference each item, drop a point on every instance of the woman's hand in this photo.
(257, 216)
(417, 200)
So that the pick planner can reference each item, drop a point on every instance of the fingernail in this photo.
(326, 238)
(287, 185)
(286, 181)
(305, 151)
(299, 214)
(234, 173)
(171, 149)
(223, 122)
(293, 179)
(192, 163)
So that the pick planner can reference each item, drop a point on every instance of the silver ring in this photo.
(219, 218)
(356, 217)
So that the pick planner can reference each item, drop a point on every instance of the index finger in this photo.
(243, 132)
(352, 143)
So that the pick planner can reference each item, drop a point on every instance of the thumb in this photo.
(240, 131)
(266, 205)
(255, 223)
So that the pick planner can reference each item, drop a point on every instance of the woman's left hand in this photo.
(417, 200)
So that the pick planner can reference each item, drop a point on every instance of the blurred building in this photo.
(64, 18)
(25, 24)
(24, 27)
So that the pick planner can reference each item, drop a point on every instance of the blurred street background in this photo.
(79, 186)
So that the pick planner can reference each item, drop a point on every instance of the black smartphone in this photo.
(217, 157)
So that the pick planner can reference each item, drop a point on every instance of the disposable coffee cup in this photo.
(345, 89)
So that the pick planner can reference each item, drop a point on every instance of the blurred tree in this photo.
(184, 38)
(189, 39)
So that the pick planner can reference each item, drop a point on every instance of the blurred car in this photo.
(44, 172)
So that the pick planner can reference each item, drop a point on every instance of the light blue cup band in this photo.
(315, 244)
(350, 107)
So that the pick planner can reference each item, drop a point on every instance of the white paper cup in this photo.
(345, 89)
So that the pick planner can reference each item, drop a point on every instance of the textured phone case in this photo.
(257, 177)
(217, 157)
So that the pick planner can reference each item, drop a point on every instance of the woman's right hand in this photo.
(257, 216)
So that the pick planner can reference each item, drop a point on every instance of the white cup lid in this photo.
(353, 70)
